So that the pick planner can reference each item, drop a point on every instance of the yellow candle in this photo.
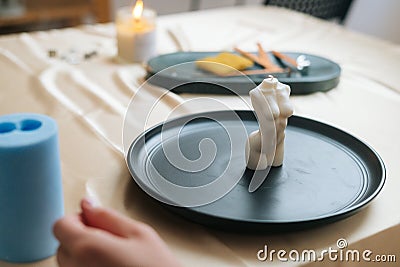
(136, 33)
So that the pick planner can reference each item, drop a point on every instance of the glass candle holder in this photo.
(136, 36)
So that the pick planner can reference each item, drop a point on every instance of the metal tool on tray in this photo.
(300, 64)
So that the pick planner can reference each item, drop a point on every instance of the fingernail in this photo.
(87, 203)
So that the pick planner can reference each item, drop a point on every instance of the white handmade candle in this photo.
(136, 33)
(271, 103)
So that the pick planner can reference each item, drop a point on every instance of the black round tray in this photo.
(327, 174)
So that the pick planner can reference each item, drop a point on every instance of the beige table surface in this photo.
(89, 99)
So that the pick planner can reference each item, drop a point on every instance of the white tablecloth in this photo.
(89, 99)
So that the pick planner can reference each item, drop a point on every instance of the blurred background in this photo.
(377, 18)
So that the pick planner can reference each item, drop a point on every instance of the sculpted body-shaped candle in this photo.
(271, 103)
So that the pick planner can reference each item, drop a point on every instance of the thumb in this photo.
(108, 220)
(68, 229)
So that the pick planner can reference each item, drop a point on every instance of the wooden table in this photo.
(73, 12)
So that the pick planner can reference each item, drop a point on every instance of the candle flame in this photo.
(138, 9)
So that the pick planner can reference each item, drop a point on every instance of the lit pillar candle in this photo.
(136, 33)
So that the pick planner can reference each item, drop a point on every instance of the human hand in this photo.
(101, 237)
